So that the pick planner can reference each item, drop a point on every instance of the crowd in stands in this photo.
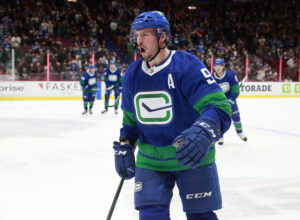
(261, 31)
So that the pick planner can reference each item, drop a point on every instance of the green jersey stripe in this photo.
(217, 99)
(164, 158)
(128, 118)
(235, 89)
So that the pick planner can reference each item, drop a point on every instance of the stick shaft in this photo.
(116, 197)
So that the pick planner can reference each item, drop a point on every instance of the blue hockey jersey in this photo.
(229, 84)
(88, 82)
(160, 102)
(112, 79)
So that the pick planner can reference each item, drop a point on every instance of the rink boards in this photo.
(71, 90)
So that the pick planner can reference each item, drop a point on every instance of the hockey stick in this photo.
(110, 87)
(243, 80)
(115, 101)
(112, 207)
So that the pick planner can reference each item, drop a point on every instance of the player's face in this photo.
(91, 71)
(112, 67)
(219, 69)
(147, 43)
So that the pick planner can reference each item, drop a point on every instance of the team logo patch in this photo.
(225, 86)
(138, 186)
(112, 78)
(92, 81)
(153, 107)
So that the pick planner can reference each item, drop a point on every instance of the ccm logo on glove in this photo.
(120, 152)
(203, 124)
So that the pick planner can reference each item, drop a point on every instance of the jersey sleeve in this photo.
(206, 97)
(105, 79)
(119, 77)
(234, 86)
(121, 81)
(129, 124)
(82, 80)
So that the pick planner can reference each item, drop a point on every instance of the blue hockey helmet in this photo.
(112, 62)
(151, 19)
(219, 61)
(91, 66)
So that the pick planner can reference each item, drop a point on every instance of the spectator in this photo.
(15, 41)
(215, 29)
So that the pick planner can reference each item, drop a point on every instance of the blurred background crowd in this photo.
(74, 33)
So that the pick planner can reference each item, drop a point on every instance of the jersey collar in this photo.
(113, 71)
(152, 70)
(90, 74)
(216, 76)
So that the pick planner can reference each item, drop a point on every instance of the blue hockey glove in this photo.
(193, 143)
(124, 159)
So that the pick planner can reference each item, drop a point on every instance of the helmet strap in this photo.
(158, 50)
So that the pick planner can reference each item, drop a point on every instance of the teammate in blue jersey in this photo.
(229, 84)
(113, 80)
(88, 85)
(174, 111)
(124, 67)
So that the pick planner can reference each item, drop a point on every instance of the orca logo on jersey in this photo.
(112, 78)
(225, 86)
(138, 186)
(153, 107)
(92, 81)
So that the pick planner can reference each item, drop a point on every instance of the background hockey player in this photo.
(174, 111)
(88, 85)
(113, 80)
(124, 67)
(228, 82)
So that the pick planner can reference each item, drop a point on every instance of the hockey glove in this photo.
(193, 143)
(124, 159)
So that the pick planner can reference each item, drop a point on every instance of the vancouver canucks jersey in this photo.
(88, 82)
(160, 102)
(112, 79)
(229, 84)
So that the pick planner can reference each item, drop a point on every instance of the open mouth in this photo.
(142, 50)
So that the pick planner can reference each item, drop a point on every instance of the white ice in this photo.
(56, 164)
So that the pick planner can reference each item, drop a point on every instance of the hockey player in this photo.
(124, 67)
(174, 111)
(88, 85)
(113, 80)
(228, 82)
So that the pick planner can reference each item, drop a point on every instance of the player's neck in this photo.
(221, 74)
(112, 70)
(161, 57)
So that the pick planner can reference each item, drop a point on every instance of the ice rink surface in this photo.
(56, 164)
